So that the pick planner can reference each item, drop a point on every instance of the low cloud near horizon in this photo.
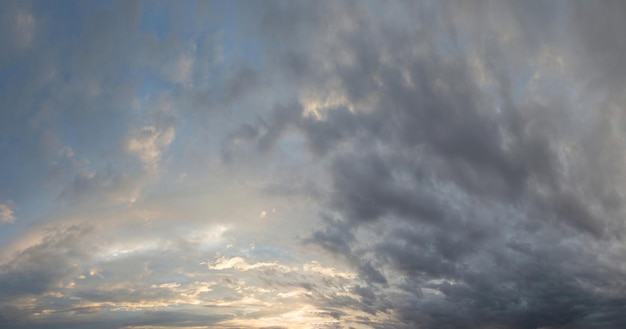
(322, 164)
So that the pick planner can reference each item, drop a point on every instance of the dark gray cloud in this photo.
(40, 268)
(498, 196)
(150, 318)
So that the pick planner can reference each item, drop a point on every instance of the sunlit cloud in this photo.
(148, 144)
(7, 214)
(240, 264)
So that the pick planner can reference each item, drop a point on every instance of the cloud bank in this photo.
(431, 164)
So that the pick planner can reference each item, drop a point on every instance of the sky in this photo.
(312, 164)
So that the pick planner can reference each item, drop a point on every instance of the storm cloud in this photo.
(428, 164)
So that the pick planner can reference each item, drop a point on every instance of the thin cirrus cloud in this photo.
(432, 164)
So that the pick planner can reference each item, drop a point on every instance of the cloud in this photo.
(7, 210)
(109, 184)
(240, 264)
(441, 177)
(183, 70)
(24, 28)
(435, 164)
(315, 266)
(148, 144)
(41, 267)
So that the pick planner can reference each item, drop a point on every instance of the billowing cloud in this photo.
(429, 164)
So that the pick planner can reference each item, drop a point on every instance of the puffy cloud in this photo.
(148, 144)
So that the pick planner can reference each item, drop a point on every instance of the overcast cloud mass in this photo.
(313, 164)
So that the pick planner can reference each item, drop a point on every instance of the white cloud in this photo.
(7, 212)
(149, 143)
(240, 264)
(316, 267)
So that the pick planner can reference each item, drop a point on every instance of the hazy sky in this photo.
(313, 164)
